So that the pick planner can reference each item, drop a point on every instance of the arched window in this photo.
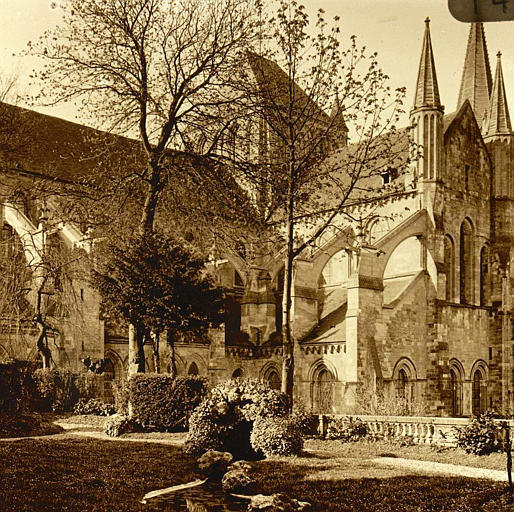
(484, 276)
(273, 379)
(237, 374)
(479, 392)
(193, 369)
(456, 391)
(401, 384)
(466, 262)
(449, 266)
(323, 391)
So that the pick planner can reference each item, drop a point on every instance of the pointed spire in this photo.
(476, 81)
(498, 119)
(427, 91)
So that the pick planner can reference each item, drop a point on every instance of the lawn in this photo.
(90, 475)
(364, 449)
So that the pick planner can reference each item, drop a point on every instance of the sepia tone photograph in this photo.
(255, 255)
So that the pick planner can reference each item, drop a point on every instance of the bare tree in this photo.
(148, 69)
(307, 97)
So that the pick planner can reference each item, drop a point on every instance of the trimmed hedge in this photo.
(347, 429)
(18, 390)
(163, 403)
(224, 421)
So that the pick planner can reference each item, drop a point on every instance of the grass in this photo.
(86, 475)
(91, 475)
(335, 484)
(429, 453)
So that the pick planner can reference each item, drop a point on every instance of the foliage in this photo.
(308, 422)
(24, 424)
(57, 388)
(224, 420)
(386, 402)
(277, 436)
(119, 424)
(347, 429)
(158, 283)
(164, 403)
(88, 385)
(18, 388)
(93, 406)
(481, 436)
(120, 392)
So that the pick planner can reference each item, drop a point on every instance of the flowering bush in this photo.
(347, 429)
(277, 436)
(224, 420)
(119, 424)
(93, 406)
(481, 436)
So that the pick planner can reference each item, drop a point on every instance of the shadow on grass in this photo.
(393, 493)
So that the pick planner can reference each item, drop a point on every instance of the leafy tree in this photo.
(158, 284)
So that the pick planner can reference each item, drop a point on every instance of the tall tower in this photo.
(476, 83)
(427, 118)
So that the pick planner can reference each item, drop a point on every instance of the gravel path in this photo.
(440, 468)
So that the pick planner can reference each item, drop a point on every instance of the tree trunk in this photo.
(42, 342)
(171, 343)
(155, 352)
(287, 335)
(146, 223)
(136, 350)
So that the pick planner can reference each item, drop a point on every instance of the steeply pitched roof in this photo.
(56, 148)
(273, 82)
(476, 81)
(427, 90)
(498, 119)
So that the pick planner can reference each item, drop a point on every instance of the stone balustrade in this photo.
(419, 429)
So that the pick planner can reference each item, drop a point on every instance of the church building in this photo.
(412, 311)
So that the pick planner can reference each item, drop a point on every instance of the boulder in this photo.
(237, 480)
(241, 464)
(276, 503)
(214, 464)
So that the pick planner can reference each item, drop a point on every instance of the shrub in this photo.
(18, 388)
(57, 388)
(308, 422)
(93, 406)
(120, 393)
(119, 424)
(347, 429)
(480, 437)
(277, 436)
(164, 403)
(88, 385)
(225, 419)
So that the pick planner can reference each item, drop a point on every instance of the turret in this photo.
(427, 115)
(497, 122)
(476, 80)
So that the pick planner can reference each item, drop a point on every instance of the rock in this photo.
(214, 464)
(237, 480)
(276, 503)
(240, 464)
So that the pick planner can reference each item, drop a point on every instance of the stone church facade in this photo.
(414, 307)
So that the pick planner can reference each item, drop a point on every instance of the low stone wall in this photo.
(420, 429)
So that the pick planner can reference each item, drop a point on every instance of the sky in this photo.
(393, 28)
